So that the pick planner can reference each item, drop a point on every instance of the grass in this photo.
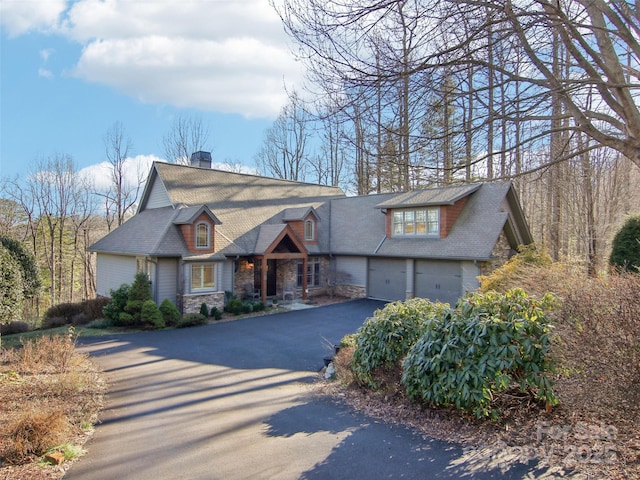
(18, 339)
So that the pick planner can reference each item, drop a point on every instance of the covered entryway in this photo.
(438, 280)
(387, 279)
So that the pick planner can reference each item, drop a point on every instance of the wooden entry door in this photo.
(271, 287)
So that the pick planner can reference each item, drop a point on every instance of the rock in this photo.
(330, 371)
(54, 458)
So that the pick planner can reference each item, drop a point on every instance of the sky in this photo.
(69, 70)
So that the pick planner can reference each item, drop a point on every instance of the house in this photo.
(201, 232)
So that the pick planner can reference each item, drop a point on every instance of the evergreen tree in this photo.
(625, 252)
(11, 290)
(30, 276)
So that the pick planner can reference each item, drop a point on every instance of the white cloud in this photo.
(22, 16)
(136, 168)
(224, 55)
(43, 72)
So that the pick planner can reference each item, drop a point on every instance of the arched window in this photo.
(309, 230)
(203, 237)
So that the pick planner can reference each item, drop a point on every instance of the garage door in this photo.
(438, 280)
(387, 279)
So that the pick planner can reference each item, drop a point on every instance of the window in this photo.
(308, 230)
(203, 277)
(313, 272)
(416, 222)
(202, 235)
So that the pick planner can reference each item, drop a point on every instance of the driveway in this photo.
(233, 401)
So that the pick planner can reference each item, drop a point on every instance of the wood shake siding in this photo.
(189, 234)
(449, 215)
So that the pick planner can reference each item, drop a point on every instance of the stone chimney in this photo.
(201, 159)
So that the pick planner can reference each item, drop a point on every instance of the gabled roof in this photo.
(358, 225)
(188, 215)
(431, 197)
(296, 214)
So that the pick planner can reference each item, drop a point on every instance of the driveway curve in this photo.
(232, 401)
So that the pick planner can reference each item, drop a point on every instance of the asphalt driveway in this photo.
(232, 401)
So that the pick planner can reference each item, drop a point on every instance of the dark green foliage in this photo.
(140, 288)
(150, 316)
(385, 339)
(490, 343)
(30, 276)
(204, 310)
(192, 320)
(625, 250)
(119, 299)
(124, 320)
(258, 306)
(11, 290)
(170, 313)
(79, 313)
(247, 307)
(14, 327)
(215, 313)
(234, 306)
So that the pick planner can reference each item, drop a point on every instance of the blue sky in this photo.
(71, 69)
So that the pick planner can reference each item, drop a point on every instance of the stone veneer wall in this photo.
(191, 303)
(501, 252)
(351, 291)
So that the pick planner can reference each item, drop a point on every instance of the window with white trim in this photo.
(203, 236)
(313, 272)
(423, 221)
(309, 230)
(203, 277)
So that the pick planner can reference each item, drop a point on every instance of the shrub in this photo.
(204, 310)
(169, 312)
(80, 319)
(31, 282)
(505, 277)
(150, 315)
(93, 308)
(119, 299)
(192, 320)
(215, 313)
(489, 344)
(625, 250)
(35, 432)
(11, 290)
(234, 306)
(124, 320)
(258, 306)
(247, 307)
(12, 328)
(385, 339)
(54, 322)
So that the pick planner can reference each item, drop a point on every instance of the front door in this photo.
(271, 278)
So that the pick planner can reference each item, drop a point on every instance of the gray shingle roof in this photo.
(430, 197)
(253, 210)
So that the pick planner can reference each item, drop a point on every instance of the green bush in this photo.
(258, 306)
(192, 320)
(234, 306)
(490, 343)
(625, 250)
(215, 313)
(11, 287)
(119, 299)
(124, 320)
(170, 313)
(150, 315)
(31, 282)
(247, 307)
(204, 310)
(385, 339)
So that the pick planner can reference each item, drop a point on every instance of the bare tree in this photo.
(186, 136)
(284, 151)
(122, 194)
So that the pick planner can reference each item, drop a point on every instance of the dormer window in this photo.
(309, 230)
(203, 235)
(422, 221)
